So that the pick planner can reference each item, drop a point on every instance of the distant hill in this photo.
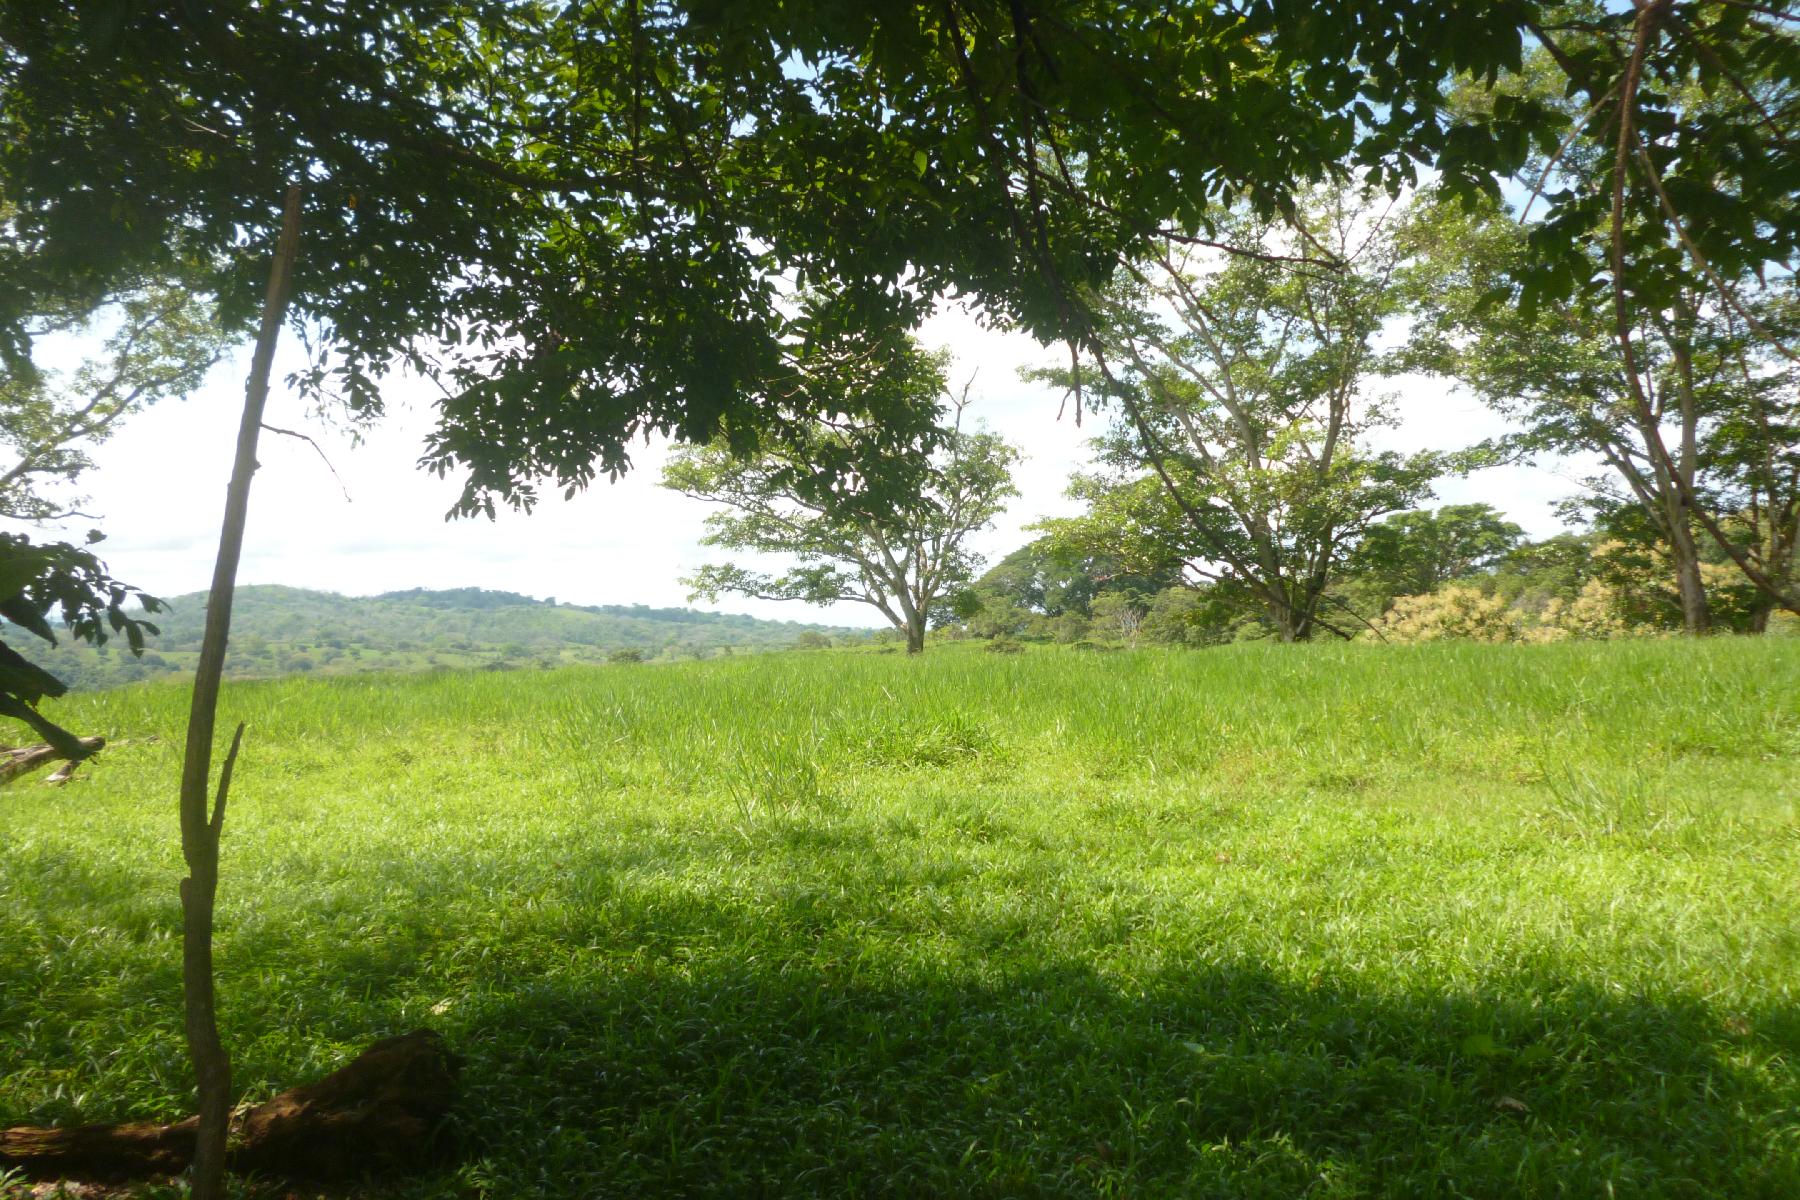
(279, 630)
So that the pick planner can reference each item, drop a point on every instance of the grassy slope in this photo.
(1412, 921)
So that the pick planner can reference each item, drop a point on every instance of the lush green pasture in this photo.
(1333, 921)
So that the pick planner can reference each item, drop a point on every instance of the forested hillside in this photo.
(278, 630)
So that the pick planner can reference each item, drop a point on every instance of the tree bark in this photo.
(1286, 627)
(915, 635)
(200, 831)
(67, 744)
(1696, 616)
(381, 1110)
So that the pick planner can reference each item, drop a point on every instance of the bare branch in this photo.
(317, 449)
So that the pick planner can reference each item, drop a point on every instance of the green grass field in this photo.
(1448, 920)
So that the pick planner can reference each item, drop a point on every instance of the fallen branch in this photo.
(63, 773)
(380, 1112)
(26, 759)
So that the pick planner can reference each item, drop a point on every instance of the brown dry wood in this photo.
(379, 1112)
(26, 759)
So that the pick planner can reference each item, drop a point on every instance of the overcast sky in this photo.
(159, 490)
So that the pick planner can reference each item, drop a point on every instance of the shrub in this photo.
(1175, 616)
(1596, 612)
(998, 618)
(627, 654)
(1004, 646)
(1451, 612)
(1118, 614)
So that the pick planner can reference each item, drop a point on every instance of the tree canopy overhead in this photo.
(589, 220)
(1678, 168)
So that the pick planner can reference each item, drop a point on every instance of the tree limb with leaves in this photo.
(46, 580)
(585, 221)
(163, 342)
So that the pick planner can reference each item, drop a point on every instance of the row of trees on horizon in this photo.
(1236, 494)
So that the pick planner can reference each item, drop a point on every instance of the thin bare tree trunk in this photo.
(1695, 614)
(200, 831)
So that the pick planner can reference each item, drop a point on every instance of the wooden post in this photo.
(199, 829)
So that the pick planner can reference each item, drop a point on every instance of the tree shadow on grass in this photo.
(786, 1035)
(653, 1038)
(723, 1076)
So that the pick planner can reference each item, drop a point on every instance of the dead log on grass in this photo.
(26, 759)
(379, 1113)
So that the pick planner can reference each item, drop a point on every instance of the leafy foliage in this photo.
(1677, 174)
(1654, 300)
(1241, 401)
(1457, 611)
(587, 221)
(1697, 429)
(69, 582)
(1409, 553)
(1046, 590)
(905, 557)
(1615, 580)
(164, 342)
